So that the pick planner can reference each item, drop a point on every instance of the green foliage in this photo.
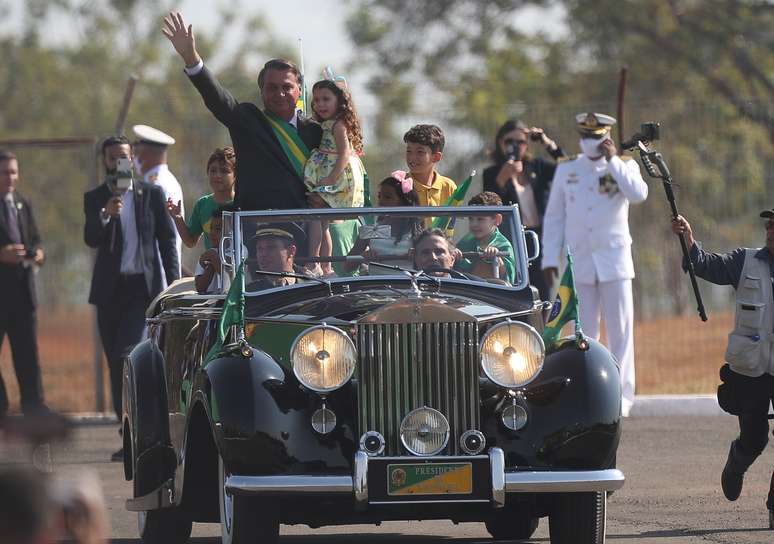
(76, 90)
(701, 69)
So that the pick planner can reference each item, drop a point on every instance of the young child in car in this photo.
(424, 149)
(208, 279)
(487, 241)
(395, 190)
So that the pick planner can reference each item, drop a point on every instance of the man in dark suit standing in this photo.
(128, 229)
(20, 254)
(269, 144)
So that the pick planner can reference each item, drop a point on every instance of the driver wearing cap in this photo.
(276, 245)
(748, 375)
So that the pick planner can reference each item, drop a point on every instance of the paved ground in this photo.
(672, 494)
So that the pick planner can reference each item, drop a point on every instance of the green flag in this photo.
(234, 305)
(565, 307)
(457, 198)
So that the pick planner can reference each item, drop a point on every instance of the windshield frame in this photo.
(234, 245)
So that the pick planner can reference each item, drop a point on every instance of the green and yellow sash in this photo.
(295, 149)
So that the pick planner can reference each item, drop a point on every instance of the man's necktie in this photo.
(12, 220)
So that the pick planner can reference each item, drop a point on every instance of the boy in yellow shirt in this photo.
(424, 148)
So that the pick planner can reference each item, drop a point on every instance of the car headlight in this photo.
(512, 354)
(323, 358)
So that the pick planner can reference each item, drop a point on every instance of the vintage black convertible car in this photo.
(384, 393)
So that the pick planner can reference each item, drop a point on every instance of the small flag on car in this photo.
(234, 305)
(565, 309)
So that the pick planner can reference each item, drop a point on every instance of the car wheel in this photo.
(244, 519)
(165, 526)
(578, 518)
(509, 525)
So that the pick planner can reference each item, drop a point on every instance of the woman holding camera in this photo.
(519, 178)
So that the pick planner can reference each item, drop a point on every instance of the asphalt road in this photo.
(672, 493)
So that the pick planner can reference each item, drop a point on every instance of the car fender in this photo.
(573, 410)
(151, 460)
(261, 418)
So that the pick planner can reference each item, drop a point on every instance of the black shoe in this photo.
(771, 519)
(118, 456)
(732, 478)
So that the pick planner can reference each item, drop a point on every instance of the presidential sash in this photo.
(295, 149)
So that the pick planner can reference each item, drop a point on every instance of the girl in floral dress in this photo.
(334, 173)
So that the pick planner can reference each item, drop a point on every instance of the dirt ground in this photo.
(673, 355)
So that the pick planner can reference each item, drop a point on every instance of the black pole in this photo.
(656, 166)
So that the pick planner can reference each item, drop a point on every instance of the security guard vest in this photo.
(749, 345)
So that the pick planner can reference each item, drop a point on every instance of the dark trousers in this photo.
(121, 325)
(754, 425)
(19, 322)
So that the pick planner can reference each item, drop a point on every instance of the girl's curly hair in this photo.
(346, 114)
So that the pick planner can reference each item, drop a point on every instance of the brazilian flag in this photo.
(456, 199)
(565, 307)
(234, 305)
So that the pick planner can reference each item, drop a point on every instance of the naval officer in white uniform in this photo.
(588, 210)
(150, 156)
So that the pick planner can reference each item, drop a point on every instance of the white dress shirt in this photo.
(131, 262)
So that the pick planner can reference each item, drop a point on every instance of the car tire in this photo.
(246, 520)
(510, 525)
(164, 526)
(578, 518)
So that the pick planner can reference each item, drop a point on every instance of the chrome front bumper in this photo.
(502, 482)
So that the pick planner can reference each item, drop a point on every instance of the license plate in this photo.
(430, 479)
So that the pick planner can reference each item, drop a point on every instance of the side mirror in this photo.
(536, 244)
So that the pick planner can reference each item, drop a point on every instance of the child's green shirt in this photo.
(199, 220)
(469, 243)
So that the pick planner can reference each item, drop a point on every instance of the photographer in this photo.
(748, 375)
(127, 223)
(519, 178)
(20, 254)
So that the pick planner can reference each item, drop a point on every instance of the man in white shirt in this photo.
(588, 210)
(150, 160)
(134, 238)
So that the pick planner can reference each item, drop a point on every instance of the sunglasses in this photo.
(511, 141)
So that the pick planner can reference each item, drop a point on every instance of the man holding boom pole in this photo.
(748, 375)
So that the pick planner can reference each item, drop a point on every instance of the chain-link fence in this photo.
(725, 172)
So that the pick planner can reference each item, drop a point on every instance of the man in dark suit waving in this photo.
(128, 226)
(271, 145)
(20, 253)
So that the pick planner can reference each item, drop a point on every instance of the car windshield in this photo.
(285, 247)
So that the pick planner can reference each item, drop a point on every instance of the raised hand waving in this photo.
(181, 37)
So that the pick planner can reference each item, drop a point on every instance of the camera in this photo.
(650, 131)
(121, 180)
(535, 136)
(510, 151)
(29, 253)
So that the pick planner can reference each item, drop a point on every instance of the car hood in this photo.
(387, 306)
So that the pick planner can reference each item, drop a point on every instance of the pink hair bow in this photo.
(406, 183)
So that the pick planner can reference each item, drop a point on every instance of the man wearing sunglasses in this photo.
(748, 374)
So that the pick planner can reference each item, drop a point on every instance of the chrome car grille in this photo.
(409, 365)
